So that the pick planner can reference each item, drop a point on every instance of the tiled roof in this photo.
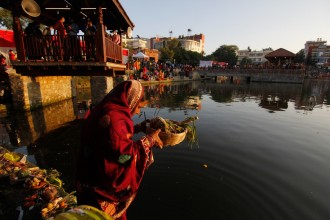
(114, 15)
(280, 53)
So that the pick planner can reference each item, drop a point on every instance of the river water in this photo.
(263, 150)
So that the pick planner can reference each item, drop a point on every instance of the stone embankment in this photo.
(257, 75)
(272, 76)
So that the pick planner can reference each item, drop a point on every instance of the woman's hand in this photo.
(141, 127)
(144, 125)
(155, 136)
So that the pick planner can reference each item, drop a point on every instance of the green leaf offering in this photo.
(124, 158)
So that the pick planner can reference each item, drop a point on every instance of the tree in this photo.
(300, 57)
(173, 50)
(173, 44)
(245, 61)
(226, 53)
(209, 57)
(6, 19)
(310, 61)
(166, 54)
(187, 57)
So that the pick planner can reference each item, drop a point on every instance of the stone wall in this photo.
(34, 92)
(101, 85)
(257, 75)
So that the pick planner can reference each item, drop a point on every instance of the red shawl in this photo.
(111, 163)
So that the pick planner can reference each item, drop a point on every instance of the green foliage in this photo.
(269, 48)
(226, 53)
(187, 57)
(166, 53)
(173, 51)
(245, 61)
(300, 57)
(173, 44)
(6, 20)
(209, 57)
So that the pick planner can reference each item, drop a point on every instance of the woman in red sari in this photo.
(111, 164)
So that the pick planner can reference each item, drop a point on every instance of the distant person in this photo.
(72, 28)
(34, 37)
(12, 56)
(116, 37)
(48, 41)
(105, 32)
(3, 62)
(48, 30)
(59, 27)
(74, 47)
(90, 31)
(90, 28)
(3, 68)
(33, 28)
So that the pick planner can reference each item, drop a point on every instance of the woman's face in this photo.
(137, 110)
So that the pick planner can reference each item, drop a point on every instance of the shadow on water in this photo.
(51, 137)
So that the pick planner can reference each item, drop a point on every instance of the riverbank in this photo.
(170, 80)
(193, 76)
(236, 76)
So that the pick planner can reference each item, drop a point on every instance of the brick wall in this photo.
(34, 92)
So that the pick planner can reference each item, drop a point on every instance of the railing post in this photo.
(18, 34)
(100, 37)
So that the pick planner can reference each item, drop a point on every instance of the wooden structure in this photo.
(280, 56)
(55, 55)
(152, 53)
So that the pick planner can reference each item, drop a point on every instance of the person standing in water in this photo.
(111, 165)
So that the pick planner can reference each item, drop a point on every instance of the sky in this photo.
(257, 24)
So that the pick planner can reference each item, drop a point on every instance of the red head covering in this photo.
(125, 97)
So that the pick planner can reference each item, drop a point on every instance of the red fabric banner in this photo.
(125, 52)
(7, 38)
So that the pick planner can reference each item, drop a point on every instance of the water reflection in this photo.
(314, 93)
(174, 96)
(278, 158)
(271, 96)
(23, 129)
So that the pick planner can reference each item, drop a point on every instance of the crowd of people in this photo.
(56, 38)
(151, 70)
(3, 60)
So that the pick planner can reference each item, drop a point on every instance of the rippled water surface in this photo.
(263, 151)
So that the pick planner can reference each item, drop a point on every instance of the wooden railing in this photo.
(68, 48)
(113, 51)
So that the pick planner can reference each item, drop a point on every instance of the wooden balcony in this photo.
(69, 55)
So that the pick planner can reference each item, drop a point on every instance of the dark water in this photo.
(263, 150)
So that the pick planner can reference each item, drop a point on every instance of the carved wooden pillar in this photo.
(100, 37)
(18, 34)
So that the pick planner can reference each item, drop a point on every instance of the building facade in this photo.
(242, 54)
(257, 57)
(195, 43)
(135, 43)
(318, 51)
